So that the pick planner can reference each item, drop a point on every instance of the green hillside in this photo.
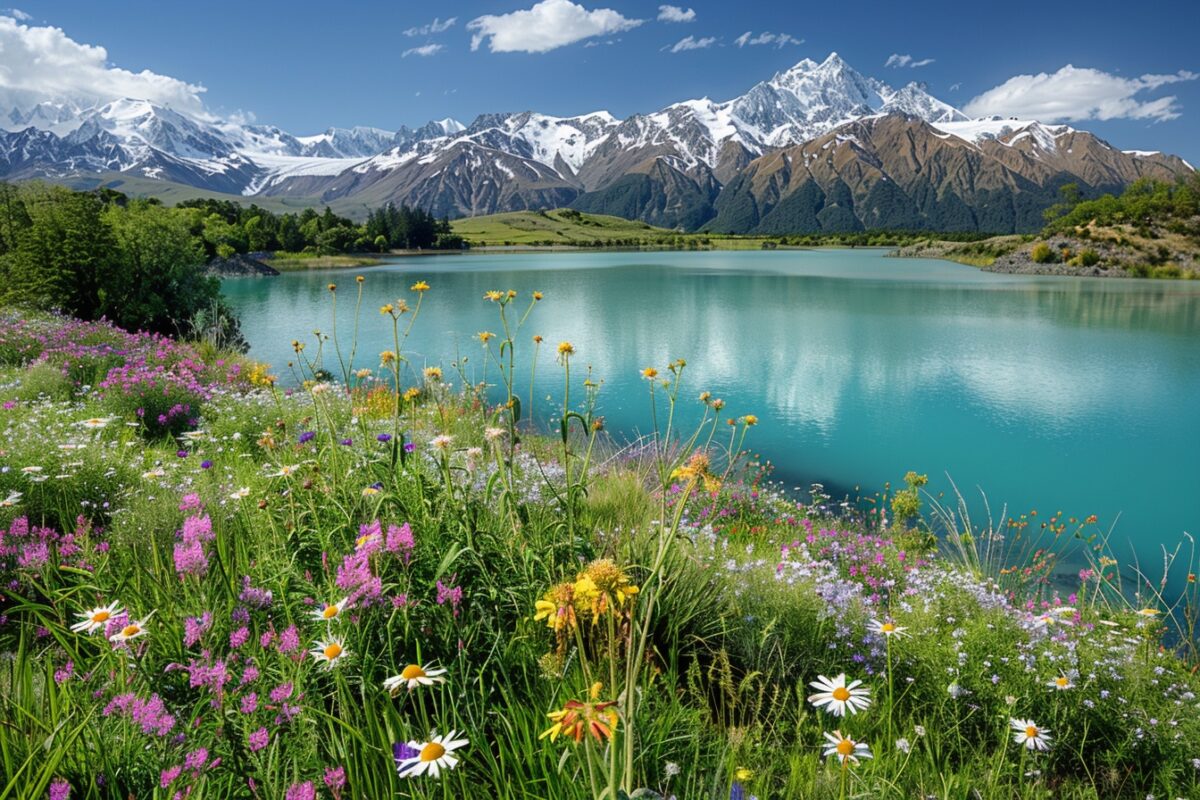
(560, 226)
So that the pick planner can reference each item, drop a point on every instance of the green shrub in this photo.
(44, 381)
(1042, 254)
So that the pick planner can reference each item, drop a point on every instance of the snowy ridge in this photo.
(797, 105)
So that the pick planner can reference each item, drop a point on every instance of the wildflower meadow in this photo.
(359, 575)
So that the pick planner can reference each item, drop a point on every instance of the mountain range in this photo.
(818, 147)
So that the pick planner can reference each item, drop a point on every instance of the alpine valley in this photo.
(817, 148)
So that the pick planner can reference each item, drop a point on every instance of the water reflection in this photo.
(1046, 392)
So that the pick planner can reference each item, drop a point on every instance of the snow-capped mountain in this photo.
(669, 167)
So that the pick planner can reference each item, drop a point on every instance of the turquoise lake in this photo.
(1055, 394)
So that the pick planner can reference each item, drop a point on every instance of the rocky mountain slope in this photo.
(817, 147)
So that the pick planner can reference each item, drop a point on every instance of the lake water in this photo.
(1079, 395)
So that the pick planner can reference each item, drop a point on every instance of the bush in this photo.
(1042, 254)
(1089, 258)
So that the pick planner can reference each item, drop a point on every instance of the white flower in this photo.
(95, 423)
(330, 651)
(432, 756)
(887, 628)
(132, 630)
(11, 500)
(96, 619)
(285, 471)
(441, 442)
(1026, 733)
(1062, 683)
(903, 746)
(329, 613)
(671, 769)
(845, 748)
(412, 676)
(836, 697)
(240, 494)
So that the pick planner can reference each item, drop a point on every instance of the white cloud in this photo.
(691, 43)
(423, 50)
(17, 14)
(896, 61)
(766, 38)
(546, 26)
(44, 64)
(954, 87)
(437, 26)
(1079, 93)
(675, 14)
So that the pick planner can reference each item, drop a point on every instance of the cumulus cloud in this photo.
(675, 14)
(896, 61)
(437, 26)
(546, 26)
(691, 43)
(1079, 93)
(44, 64)
(17, 14)
(423, 50)
(748, 39)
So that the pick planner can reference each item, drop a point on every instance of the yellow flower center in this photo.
(1061, 681)
(845, 747)
(332, 650)
(888, 627)
(100, 616)
(1031, 732)
(330, 612)
(412, 672)
(130, 630)
(841, 694)
(432, 752)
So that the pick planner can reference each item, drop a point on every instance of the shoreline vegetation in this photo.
(386, 581)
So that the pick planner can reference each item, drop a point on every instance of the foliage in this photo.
(1143, 202)
(1043, 254)
(318, 576)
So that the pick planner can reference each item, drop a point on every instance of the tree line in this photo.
(142, 265)
(227, 228)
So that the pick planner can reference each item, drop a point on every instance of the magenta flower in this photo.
(259, 739)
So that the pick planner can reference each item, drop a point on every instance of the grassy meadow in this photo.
(364, 576)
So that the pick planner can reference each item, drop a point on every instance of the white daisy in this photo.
(285, 471)
(836, 697)
(887, 628)
(132, 630)
(412, 676)
(432, 756)
(441, 442)
(845, 748)
(331, 651)
(11, 500)
(329, 613)
(96, 619)
(1026, 733)
(95, 423)
(240, 494)
(1061, 683)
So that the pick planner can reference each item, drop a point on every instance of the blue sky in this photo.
(307, 65)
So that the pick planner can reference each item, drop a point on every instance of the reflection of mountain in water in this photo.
(1071, 394)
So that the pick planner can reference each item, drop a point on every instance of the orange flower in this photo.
(576, 718)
